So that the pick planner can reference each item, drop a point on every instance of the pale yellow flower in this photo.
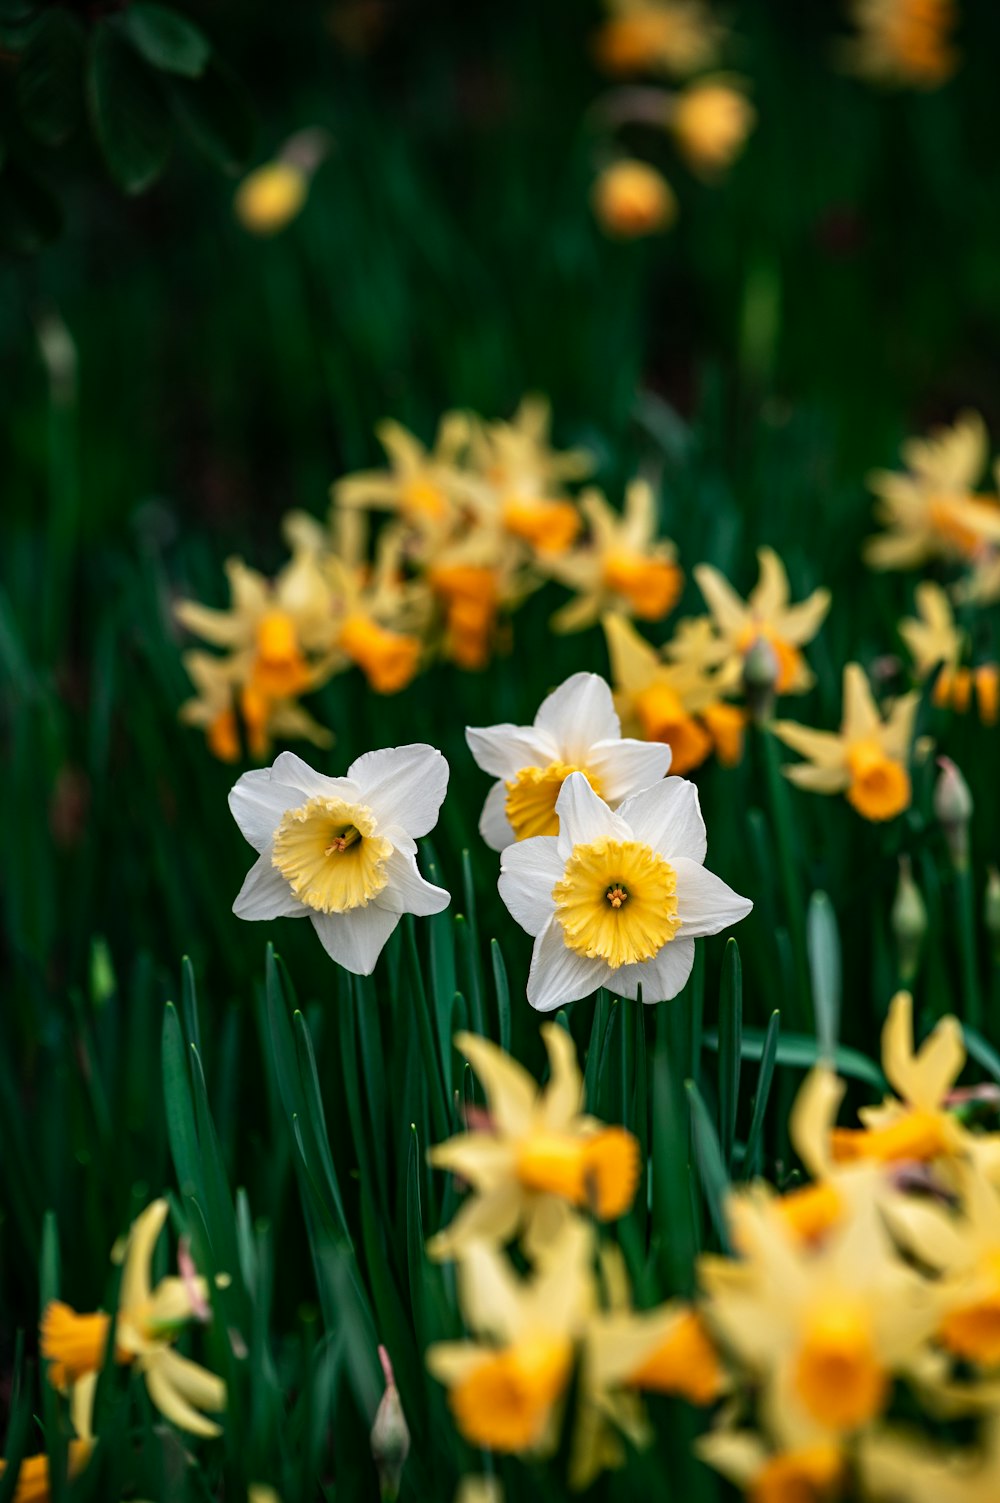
(34, 1480)
(631, 199)
(505, 1389)
(677, 37)
(425, 488)
(903, 42)
(710, 121)
(799, 1470)
(930, 510)
(474, 582)
(536, 1157)
(524, 477)
(935, 641)
(270, 197)
(148, 1322)
(679, 703)
(225, 702)
(894, 1464)
(766, 615)
(623, 567)
(866, 759)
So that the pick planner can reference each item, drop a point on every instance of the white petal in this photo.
(404, 785)
(668, 817)
(494, 826)
(407, 891)
(705, 904)
(265, 894)
(502, 750)
(584, 817)
(257, 802)
(660, 978)
(626, 767)
(578, 713)
(559, 975)
(289, 769)
(355, 940)
(529, 870)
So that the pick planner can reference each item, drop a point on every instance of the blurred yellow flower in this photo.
(677, 37)
(930, 510)
(624, 566)
(934, 640)
(535, 1156)
(220, 692)
(903, 42)
(631, 199)
(270, 197)
(523, 476)
(766, 616)
(148, 1322)
(34, 1480)
(711, 120)
(425, 488)
(803, 1471)
(866, 759)
(680, 704)
(504, 1390)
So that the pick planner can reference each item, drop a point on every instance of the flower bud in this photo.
(632, 199)
(909, 923)
(760, 675)
(953, 808)
(390, 1435)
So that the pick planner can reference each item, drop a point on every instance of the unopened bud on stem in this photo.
(760, 675)
(390, 1437)
(953, 807)
(909, 923)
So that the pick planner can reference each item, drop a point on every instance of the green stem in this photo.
(965, 900)
(791, 885)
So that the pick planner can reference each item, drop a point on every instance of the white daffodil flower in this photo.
(576, 730)
(616, 899)
(341, 851)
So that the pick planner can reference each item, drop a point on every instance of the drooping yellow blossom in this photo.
(624, 566)
(631, 199)
(866, 759)
(523, 478)
(425, 488)
(903, 42)
(678, 703)
(916, 1124)
(824, 1329)
(34, 1478)
(505, 1389)
(676, 37)
(629, 1352)
(935, 641)
(538, 1156)
(930, 510)
(766, 615)
(710, 121)
(149, 1320)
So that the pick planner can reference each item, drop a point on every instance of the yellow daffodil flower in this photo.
(894, 1464)
(270, 197)
(523, 477)
(622, 568)
(34, 1478)
(825, 1329)
(632, 199)
(903, 42)
(473, 581)
(537, 1157)
(505, 1389)
(224, 704)
(676, 37)
(930, 510)
(425, 488)
(148, 1323)
(916, 1124)
(710, 121)
(934, 640)
(802, 1470)
(679, 703)
(866, 759)
(576, 729)
(766, 615)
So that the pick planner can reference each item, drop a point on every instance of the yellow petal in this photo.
(729, 611)
(634, 662)
(511, 1092)
(861, 718)
(562, 1099)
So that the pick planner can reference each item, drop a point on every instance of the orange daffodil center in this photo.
(341, 851)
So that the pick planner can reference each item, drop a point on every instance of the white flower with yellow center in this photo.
(616, 899)
(341, 851)
(576, 730)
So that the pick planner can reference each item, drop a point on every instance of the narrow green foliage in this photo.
(730, 1047)
(824, 969)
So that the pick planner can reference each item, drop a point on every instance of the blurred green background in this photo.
(173, 386)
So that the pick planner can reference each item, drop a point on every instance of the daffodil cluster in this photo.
(542, 1172)
(902, 43)
(857, 1315)
(707, 117)
(470, 528)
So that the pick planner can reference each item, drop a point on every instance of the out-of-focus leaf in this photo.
(127, 110)
(216, 115)
(730, 1035)
(823, 945)
(166, 39)
(48, 83)
(802, 1052)
(712, 1170)
(769, 1054)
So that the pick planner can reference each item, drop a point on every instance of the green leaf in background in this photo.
(730, 1036)
(798, 1050)
(712, 1169)
(127, 111)
(167, 39)
(753, 1156)
(47, 85)
(823, 945)
(215, 114)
